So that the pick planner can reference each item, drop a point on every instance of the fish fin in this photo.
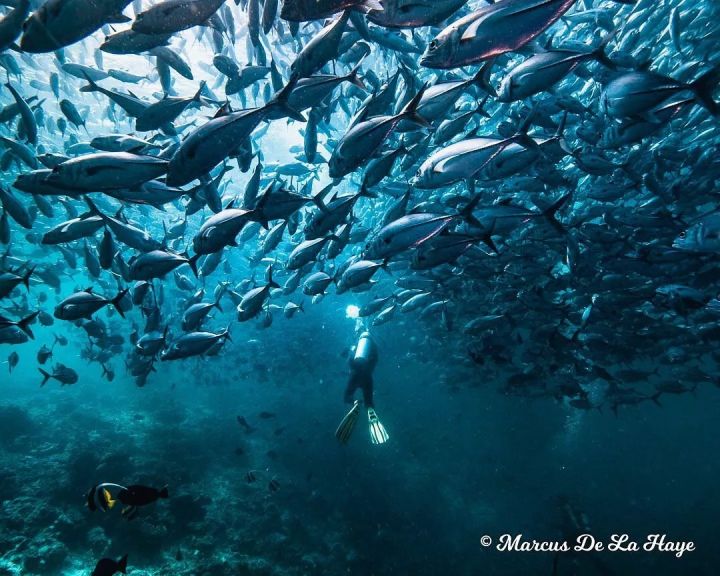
(386, 266)
(466, 213)
(704, 87)
(46, 376)
(409, 112)
(91, 86)
(482, 78)
(94, 210)
(192, 262)
(365, 192)
(116, 301)
(269, 278)
(198, 94)
(119, 18)
(26, 277)
(24, 324)
(353, 77)
(122, 564)
(108, 498)
(367, 6)
(280, 101)
(550, 212)
(601, 55)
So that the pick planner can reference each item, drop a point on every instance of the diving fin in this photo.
(378, 434)
(345, 430)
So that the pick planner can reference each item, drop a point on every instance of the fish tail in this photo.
(550, 213)
(198, 94)
(467, 212)
(280, 101)
(217, 302)
(359, 23)
(409, 112)
(386, 266)
(521, 136)
(486, 237)
(46, 376)
(26, 277)
(24, 324)
(354, 78)
(656, 398)
(482, 78)
(95, 211)
(269, 278)
(116, 301)
(91, 86)
(600, 53)
(704, 87)
(226, 333)
(122, 564)
(192, 262)
(365, 192)
(481, 107)
(367, 6)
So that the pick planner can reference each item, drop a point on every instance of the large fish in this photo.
(170, 16)
(12, 24)
(107, 171)
(207, 146)
(637, 93)
(59, 23)
(306, 10)
(490, 31)
(363, 140)
(414, 13)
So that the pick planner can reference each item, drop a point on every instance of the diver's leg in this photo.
(367, 390)
(352, 385)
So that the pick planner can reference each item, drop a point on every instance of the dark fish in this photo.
(138, 495)
(490, 31)
(108, 567)
(61, 373)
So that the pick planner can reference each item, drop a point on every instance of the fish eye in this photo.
(682, 234)
(433, 44)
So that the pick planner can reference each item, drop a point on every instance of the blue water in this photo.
(500, 409)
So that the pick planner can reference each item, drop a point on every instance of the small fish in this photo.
(44, 354)
(108, 567)
(61, 373)
(13, 360)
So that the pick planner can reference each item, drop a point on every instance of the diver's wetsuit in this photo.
(362, 364)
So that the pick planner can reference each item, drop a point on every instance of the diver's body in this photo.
(363, 360)
(362, 364)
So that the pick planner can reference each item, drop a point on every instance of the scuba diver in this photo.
(363, 359)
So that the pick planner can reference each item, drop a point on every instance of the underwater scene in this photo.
(359, 287)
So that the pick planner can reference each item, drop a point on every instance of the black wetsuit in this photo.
(361, 377)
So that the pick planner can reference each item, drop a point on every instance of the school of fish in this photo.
(535, 179)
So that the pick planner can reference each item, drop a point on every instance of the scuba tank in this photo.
(365, 352)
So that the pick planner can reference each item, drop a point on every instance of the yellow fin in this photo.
(108, 498)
